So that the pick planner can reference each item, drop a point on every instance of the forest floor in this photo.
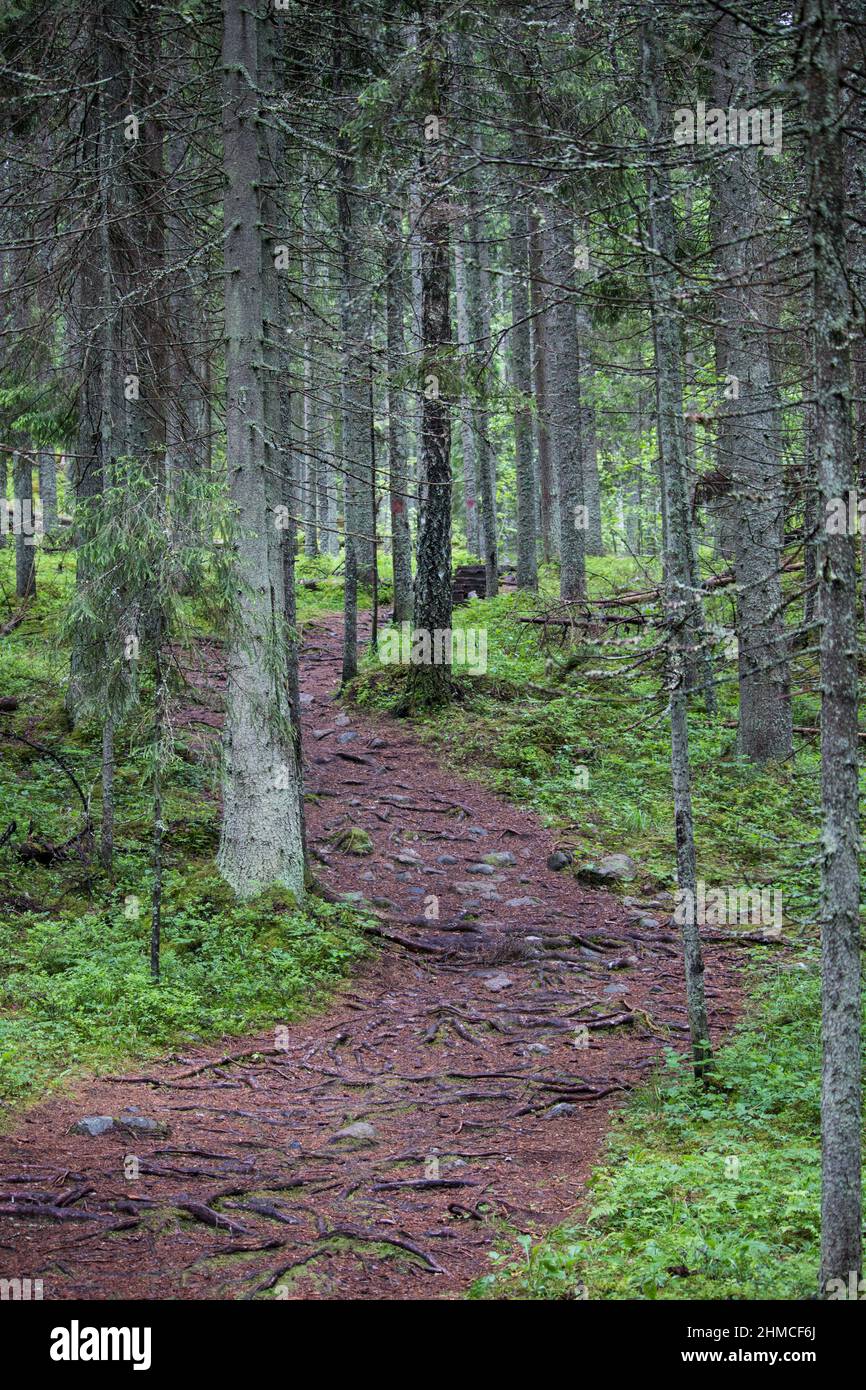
(454, 1094)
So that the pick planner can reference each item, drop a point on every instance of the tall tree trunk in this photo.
(260, 837)
(841, 1251)
(538, 301)
(398, 482)
(310, 488)
(565, 411)
(25, 547)
(478, 279)
(749, 448)
(48, 491)
(589, 439)
(521, 356)
(430, 680)
(681, 567)
(679, 586)
(468, 422)
(356, 321)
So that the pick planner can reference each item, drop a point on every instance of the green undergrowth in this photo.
(701, 1194)
(589, 750)
(75, 988)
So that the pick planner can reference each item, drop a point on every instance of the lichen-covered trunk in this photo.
(312, 427)
(680, 556)
(537, 296)
(468, 423)
(521, 358)
(398, 482)
(48, 490)
(356, 325)
(565, 411)
(478, 281)
(260, 834)
(841, 1249)
(749, 446)
(25, 548)
(589, 438)
(430, 681)
(679, 582)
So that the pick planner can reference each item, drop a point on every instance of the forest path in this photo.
(480, 1066)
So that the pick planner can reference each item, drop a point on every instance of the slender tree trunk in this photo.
(677, 527)
(540, 384)
(159, 714)
(468, 425)
(310, 490)
(565, 410)
(679, 589)
(106, 839)
(589, 439)
(478, 281)
(398, 482)
(356, 320)
(521, 355)
(25, 548)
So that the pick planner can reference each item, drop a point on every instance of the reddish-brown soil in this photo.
(454, 1041)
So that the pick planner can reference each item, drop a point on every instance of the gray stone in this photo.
(347, 736)
(447, 859)
(540, 1049)
(361, 1129)
(498, 982)
(94, 1125)
(501, 858)
(479, 869)
(522, 902)
(560, 859)
(564, 1107)
(141, 1124)
(611, 868)
(476, 830)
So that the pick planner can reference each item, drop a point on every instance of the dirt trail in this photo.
(485, 1049)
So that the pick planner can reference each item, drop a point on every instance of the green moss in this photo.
(75, 988)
